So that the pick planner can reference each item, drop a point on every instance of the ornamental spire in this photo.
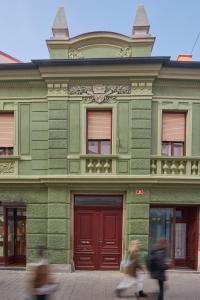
(60, 28)
(141, 24)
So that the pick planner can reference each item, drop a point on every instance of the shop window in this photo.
(6, 133)
(161, 226)
(99, 132)
(173, 134)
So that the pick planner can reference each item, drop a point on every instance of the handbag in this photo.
(125, 262)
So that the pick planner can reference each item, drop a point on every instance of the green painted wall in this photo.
(140, 136)
(58, 136)
(50, 148)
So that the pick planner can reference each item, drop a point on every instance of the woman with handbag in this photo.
(132, 270)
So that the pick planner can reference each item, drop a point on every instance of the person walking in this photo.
(159, 265)
(133, 271)
(42, 283)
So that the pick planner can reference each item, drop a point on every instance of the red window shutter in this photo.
(99, 125)
(173, 127)
(6, 129)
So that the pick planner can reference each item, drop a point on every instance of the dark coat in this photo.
(161, 266)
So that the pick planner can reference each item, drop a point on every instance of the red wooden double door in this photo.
(98, 234)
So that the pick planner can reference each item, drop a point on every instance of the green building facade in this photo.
(106, 149)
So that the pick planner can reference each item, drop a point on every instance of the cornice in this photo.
(177, 83)
(22, 84)
(181, 73)
(94, 81)
(16, 74)
(101, 71)
(99, 37)
(158, 98)
(101, 179)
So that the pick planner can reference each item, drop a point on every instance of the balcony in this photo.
(175, 166)
(95, 164)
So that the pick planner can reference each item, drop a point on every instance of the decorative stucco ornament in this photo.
(75, 54)
(124, 52)
(99, 93)
(57, 89)
(7, 167)
(142, 88)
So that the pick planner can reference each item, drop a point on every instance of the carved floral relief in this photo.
(7, 167)
(99, 93)
(124, 52)
(75, 54)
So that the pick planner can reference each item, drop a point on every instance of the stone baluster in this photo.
(98, 166)
(165, 167)
(194, 167)
(107, 166)
(153, 166)
(90, 166)
(173, 168)
(181, 168)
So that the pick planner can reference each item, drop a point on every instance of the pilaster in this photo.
(58, 236)
(141, 127)
(137, 216)
(58, 127)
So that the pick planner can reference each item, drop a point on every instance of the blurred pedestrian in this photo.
(133, 271)
(159, 265)
(42, 282)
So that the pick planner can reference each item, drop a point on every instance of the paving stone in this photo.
(98, 285)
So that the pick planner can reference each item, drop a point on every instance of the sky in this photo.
(25, 25)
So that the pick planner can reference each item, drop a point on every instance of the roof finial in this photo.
(60, 28)
(141, 24)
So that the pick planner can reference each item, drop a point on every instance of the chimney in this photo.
(184, 57)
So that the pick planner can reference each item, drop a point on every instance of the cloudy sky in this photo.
(26, 24)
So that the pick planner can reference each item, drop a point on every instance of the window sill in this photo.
(9, 157)
(99, 156)
(184, 157)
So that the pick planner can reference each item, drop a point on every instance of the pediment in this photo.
(101, 44)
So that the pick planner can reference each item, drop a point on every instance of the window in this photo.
(6, 133)
(99, 132)
(173, 134)
(161, 226)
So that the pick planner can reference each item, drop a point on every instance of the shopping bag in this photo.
(125, 262)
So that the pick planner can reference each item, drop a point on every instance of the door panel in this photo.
(15, 235)
(85, 238)
(110, 239)
(180, 241)
(97, 242)
(192, 241)
(20, 239)
(180, 244)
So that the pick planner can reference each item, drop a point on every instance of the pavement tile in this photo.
(99, 285)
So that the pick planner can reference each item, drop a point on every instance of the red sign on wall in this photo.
(139, 192)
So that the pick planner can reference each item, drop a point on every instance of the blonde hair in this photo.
(134, 245)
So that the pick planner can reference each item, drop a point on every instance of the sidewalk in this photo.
(99, 285)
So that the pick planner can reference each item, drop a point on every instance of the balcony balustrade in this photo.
(175, 166)
(105, 164)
